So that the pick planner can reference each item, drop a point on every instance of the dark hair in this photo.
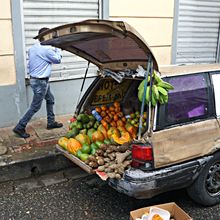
(41, 31)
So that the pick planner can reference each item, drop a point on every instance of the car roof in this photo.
(173, 70)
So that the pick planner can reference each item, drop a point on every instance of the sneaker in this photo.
(21, 133)
(54, 125)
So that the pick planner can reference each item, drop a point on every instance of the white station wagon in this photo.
(185, 133)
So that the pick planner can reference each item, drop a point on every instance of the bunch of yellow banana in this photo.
(159, 90)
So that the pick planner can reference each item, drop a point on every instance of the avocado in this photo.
(83, 118)
(86, 149)
(90, 124)
(93, 151)
(107, 141)
(94, 146)
(72, 124)
(78, 153)
(79, 125)
(72, 133)
(84, 156)
(92, 118)
(99, 143)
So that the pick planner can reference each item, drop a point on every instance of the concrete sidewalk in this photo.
(21, 158)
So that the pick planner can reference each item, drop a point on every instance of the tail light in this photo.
(141, 154)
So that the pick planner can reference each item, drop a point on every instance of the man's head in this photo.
(41, 31)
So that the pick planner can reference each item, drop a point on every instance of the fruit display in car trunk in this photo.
(102, 138)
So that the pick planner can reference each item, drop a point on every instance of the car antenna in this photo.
(146, 74)
(80, 93)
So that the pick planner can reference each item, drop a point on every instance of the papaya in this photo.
(111, 131)
(131, 130)
(121, 129)
(124, 138)
(103, 130)
(63, 142)
(97, 136)
(82, 138)
(73, 145)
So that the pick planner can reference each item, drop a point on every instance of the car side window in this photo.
(188, 101)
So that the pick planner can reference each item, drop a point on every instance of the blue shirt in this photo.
(41, 59)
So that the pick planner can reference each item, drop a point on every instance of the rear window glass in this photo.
(188, 100)
(112, 48)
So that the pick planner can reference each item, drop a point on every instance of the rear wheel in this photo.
(206, 188)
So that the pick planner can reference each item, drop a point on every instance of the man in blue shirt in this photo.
(41, 59)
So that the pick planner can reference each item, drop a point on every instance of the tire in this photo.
(206, 188)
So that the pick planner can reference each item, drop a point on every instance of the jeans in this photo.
(41, 90)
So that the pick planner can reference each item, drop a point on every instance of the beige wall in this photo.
(152, 19)
(7, 64)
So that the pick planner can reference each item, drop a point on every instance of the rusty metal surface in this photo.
(185, 142)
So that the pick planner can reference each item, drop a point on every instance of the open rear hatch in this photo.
(112, 45)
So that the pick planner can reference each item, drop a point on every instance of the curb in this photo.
(14, 170)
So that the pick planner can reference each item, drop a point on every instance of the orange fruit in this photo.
(103, 114)
(124, 119)
(104, 108)
(115, 118)
(117, 109)
(98, 109)
(116, 104)
(111, 108)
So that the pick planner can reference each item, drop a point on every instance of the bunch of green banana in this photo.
(159, 90)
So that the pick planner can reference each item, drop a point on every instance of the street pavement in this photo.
(72, 194)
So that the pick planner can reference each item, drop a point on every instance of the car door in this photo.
(186, 126)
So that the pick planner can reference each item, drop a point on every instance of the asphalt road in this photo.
(59, 197)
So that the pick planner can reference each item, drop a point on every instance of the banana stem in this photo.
(143, 98)
(150, 101)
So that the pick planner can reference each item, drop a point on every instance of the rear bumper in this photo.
(146, 184)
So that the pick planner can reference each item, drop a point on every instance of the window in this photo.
(188, 101)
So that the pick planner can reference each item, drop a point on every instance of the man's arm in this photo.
(54, 56)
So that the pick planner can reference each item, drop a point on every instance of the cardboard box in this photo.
(176, 212)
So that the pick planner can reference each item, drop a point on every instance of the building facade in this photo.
(178, 31)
